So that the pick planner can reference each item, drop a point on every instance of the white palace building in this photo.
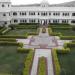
(42, 13)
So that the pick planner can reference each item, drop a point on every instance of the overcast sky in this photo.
(38, 1)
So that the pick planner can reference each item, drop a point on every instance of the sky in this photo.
(14, 2)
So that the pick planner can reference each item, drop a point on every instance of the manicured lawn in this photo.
(67, 63)
(11, 62)
(20, 31)
(67, 32)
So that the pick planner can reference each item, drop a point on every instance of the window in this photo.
(15, 21)
(49, 13)
(3, 5)
(73, 21)
(38, 13)
(9, 14)
(55, 21)
(31, 13)
(14, 13)
(5, 22)
(8, 5)
(56, 14)
(4, 14)
(64, 21)
(65, 14)
(73, 14)
(49, 21)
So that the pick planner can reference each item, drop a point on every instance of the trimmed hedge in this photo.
(67, 37)
(13, 36)
(28, 23)
(63, 51)
(8, 43)
(58, 24)
(8, 39)
(70, 45)
(28, 63)
(53, 33)
(56, 62)
(42, 66)
(23, 50)
(63, 28)
(6, 30)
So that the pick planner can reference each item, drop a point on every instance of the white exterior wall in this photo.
(36, 9)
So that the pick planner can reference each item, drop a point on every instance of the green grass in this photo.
(11, 62)
(67, 63)
(67, 32)
(20, 31)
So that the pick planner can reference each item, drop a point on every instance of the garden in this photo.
(64, 59)
(14, 60)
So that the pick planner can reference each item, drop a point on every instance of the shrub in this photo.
(13, 36)
(23, 50)
(42, 66)
(8, 39)
(28, 63)
(6, 30)
(64, 50)
(67, 37)
(56, 62)
(71, 44)
(8, 43)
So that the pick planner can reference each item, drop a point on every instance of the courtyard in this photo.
(22, 56)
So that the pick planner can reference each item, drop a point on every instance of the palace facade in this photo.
(42, 13)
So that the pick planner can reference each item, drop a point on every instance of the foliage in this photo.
(42, 66)
(28, 63)
(56, 62)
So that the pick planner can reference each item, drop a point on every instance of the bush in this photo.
(8, 39)
(6, 30)
(56, 62)
(28, 63)
(63, 28)
(23, 50)
(59, 24)
(13, 36)
(64, 50)
(42, 66)
(8, 43)
(67, 37)
(70, 44)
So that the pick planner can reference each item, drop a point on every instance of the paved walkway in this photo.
(45, 53)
